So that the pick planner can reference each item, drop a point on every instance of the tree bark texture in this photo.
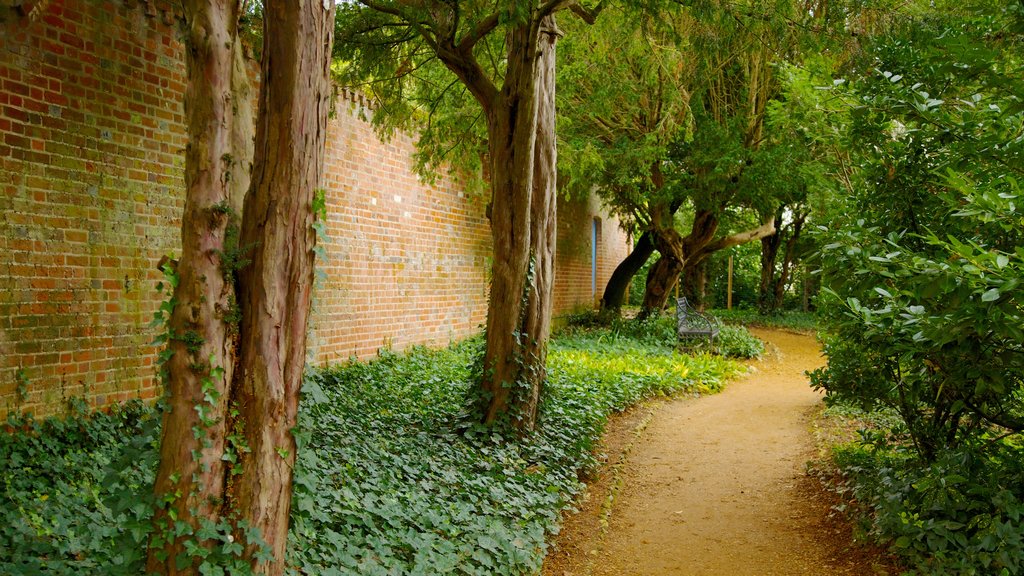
(512, 136)
(695, 281)
(690, 251)
(536, 327)
(674, 250)
(664, 274)
(190, 481)
(275, 290)
(615, 291)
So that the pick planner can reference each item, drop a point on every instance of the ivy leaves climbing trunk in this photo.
(275, 290)
(201, 336)
(234, 362)
(536, 326)
(511, 123)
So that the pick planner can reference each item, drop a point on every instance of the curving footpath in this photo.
(714, 485)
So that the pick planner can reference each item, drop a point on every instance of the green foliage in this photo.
(659, 333)
(738, 342)
(961, 514)
(76, 492)
(786, 320)
(921, 268)
(391, 479)
(21, 385)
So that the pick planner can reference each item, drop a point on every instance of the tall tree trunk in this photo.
(512, 121)
(788, 260)
(537, 318)
(275, 290)
(695, 280)
(190, 480)
(675, 250)
(664, 274)
(769, 254)
(615, 291)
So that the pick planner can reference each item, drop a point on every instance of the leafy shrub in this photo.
(738, 342)
(961, 514)
(660, 332)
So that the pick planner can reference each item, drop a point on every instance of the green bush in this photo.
(961, 514)
(738, 342)
(660, 331)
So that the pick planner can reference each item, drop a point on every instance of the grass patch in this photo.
(389, 479)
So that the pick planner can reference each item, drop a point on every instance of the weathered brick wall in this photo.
(577, 287)
(91, 159)
(90, 167)
(407, 262)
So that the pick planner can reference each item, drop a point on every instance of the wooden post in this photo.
(728, 299)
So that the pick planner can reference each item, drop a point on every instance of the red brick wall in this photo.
(91, 158)
(90, 169)
(407, 261)
(575, 288)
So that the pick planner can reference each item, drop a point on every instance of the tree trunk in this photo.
(511, 127)
(537, 318)
(769, 254)
(275, 290)
(615, 291)
(674, 250)
(695, 279)
(190, 480)
(664, 274)
(788, 259)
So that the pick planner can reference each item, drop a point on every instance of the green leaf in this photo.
(990, 295)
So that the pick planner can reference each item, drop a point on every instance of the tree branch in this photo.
(482, 28)
(765, 229)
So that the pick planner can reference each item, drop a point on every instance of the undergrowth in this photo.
(389, 480)
(731, 341)
(962, 514)
(786, 320)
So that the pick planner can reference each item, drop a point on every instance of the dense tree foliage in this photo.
(921, 263)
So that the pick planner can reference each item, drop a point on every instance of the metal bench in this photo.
(693, 324)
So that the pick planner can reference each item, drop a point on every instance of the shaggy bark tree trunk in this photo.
(536, 326)
(512, 122)
(190, 480)
(695, 281)
(252, 370)
(788, 260)
(675, 250)
(773, 286)
(664, 274)
(615, 291)
(275, 290)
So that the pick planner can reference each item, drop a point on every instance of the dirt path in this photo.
(714, 486)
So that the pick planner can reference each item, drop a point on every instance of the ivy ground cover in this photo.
(391, 477)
